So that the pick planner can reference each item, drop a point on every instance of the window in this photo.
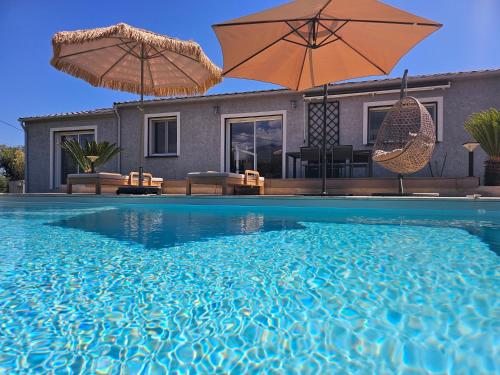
(255, 143)
(163, 135)
(376, 112)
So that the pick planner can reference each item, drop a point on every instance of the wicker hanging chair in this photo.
(407, 137)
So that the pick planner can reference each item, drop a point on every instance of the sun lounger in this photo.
(151, 185)
(149, 180)
(110, 179)
(228, 181)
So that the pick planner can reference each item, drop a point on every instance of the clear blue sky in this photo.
(30, 86)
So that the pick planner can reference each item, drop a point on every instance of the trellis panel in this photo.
(315, 125)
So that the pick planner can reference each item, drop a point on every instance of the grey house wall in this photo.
(201, 139)
(464, 97)
(200, 129)
(38, 146)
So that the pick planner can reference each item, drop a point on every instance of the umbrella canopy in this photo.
(126, 58)
(307, 43)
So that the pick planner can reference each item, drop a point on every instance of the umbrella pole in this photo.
(323, 154)
(141, 110)
(402, 95)
(404, 86)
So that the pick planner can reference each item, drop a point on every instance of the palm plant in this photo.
(484, 127)
(104, 151)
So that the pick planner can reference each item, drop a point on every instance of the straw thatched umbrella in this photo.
(125, 58)
(309, 43)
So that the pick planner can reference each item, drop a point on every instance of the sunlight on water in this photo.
(156, 290)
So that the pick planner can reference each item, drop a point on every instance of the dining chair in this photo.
(310, 158)
(361, 159)
(341, 157)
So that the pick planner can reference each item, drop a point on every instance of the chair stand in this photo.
(401, 185)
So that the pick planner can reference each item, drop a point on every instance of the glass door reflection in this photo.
(257, 144)
(242, 146)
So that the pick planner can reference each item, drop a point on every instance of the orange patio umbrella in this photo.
(309, 43)
(126, 58)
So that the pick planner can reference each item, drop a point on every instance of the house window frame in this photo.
(52, 154)
(148, 119)
(387, 103)
(224, 159)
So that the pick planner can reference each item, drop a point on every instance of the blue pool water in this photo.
(130, 288)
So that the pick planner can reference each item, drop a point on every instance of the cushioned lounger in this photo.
(110, 179)
(228, 181)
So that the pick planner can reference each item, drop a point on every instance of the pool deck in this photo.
(453, 194)
(444, 186)
(363, 187)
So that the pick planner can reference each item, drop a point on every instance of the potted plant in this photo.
(91, 155)
(484, 127)
(12, 166)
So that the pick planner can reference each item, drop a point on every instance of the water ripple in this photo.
(313, 297)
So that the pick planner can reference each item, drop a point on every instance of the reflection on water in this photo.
(160, 228)
(487, 231)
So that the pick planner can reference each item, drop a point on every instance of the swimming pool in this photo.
(234, 285)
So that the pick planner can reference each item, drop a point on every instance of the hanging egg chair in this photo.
(406, 139)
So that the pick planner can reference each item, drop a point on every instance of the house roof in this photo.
(423, 77)
(337, 87)
(342, 87)
(92, 112)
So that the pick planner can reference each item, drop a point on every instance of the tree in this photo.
(12, 162)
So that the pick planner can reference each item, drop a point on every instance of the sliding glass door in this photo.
(63, 162)
(255, 143)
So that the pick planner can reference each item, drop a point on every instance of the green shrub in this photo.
(12, 162)
(484, 127)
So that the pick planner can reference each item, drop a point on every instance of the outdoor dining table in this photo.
(295, 155)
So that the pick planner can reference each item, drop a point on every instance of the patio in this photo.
(342, 160)
(459, 186)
